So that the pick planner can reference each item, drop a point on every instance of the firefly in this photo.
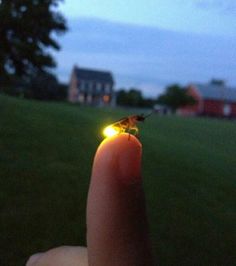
(125, 125)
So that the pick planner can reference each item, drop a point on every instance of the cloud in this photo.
(145, 57)
(228, 6)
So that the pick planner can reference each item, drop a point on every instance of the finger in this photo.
(116, 216)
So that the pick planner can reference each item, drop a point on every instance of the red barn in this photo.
(213, 99)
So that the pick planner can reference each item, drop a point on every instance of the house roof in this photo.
(94, 75)
(216, 92)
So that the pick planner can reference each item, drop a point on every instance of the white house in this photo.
(92, 87)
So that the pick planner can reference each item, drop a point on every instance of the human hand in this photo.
(116, 216)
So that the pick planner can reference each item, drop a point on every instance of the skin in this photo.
(116, 217)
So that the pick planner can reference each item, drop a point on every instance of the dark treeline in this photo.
(44, 86)
(173, 97)
(133, 98)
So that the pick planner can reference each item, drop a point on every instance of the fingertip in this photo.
(123, 139)
(120, 156)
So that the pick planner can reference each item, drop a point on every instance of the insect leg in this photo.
(128, 131)
(135, 129)
(120, 128)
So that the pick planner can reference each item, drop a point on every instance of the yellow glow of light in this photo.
(106, 98)
(110, 132)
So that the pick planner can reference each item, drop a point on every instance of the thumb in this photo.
(116, 216)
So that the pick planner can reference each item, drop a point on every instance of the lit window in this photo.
(106, 98)
(227, 109)
(81, 98)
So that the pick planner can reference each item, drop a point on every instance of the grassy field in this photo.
(46, 152)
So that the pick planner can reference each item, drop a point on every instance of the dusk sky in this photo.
(139, 31)
(217, 17)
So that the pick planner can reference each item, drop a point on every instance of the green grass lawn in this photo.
(46, 152)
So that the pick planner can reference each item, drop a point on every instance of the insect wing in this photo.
(117, 125)
(121, 124)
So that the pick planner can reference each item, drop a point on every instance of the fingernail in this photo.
(120, 157)
(130, 160)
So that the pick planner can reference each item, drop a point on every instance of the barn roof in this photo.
(216, 92)
(94, 75)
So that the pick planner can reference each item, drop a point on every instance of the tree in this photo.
(131, 98)
(26, 33)
(175, 97)
(45, 86)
